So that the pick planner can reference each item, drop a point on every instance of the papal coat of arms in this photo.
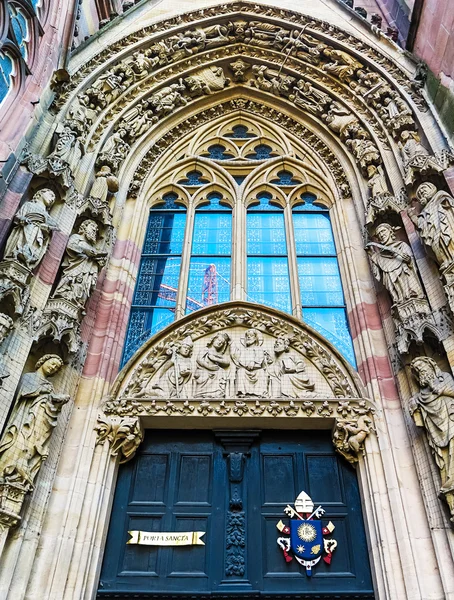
(307, 538)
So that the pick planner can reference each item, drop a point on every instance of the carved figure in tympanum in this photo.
(68, 148)
(309, 98)
(251, 360)
(271, 80)
(104, 184)
(342, 64)
(433, 408)
(24, 445)
(81, 265)
(168, 98)
(176, 376)
(33, 225)
(114, 150)
(393, 264)
(207, 81)
(416, 158)
(287, 372)
(213, 374)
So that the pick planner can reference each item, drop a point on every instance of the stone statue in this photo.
(433, 408)
(393, 264)
(104, 183)
(436, 223)
(350, 434)
(24, 445)
(271, 80)
(176, 376)
(342, 64)
(251, 362)
(82, 262)
(168, 98)
(309, 98)
(416, 158)
(212, 375)
(287, 373)
(239, 68)
(30, 236)
(343, 122)
(207, 81)
(6, 325)
(68, 149)
(115, 150)
(376, 181)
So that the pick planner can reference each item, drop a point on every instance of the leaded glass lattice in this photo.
(6, 71)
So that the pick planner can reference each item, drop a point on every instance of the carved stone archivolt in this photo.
(239, 360)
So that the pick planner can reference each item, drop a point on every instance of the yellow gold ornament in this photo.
(307, 532)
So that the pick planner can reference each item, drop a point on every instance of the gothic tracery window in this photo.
(245, 205)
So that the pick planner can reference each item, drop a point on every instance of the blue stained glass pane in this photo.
(320, 282)
(332, 324)
(285, 178)
(268, 282)
(266, 234)
(212, 234)
(6, 69)
(165, 233)
(215, 200)
(313, 234)
(264, 203)
(309, 205)
(193, 178)
(169, 203)
(240, 132)
(262, 151)
(20, 28)
(157, 283)
(209, 282)
(142, 325)
(217, 152)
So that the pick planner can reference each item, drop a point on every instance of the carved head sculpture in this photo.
(186, 346)
(425, 192)
(6, 324)
(103, 172)
(89, 229)
(46, 196)
(281, 345)
(220, 341)
(425, 370)
(49, 364)
(371, 170)
(252, 337)
(385, 233)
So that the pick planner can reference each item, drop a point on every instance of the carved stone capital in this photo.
(12, 497)
(411, 319)
(351, 429)
(123, 433)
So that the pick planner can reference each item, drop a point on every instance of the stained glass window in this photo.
(322, 297)
(218, 152)
(267, 263)
(20, 27)
(240, 132)
(210, 263)
(155, 294)
(6, 71)
(285, 178)
(261, 152)
(193, 178)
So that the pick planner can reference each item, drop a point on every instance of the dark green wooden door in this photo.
(234, 486)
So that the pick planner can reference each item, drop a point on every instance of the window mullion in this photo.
(292, 264)
(239, 258)
(180, 304)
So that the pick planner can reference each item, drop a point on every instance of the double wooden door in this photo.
(232, 485)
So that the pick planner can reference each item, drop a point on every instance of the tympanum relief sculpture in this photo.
(25, 442)
(435, 224)
(237, 363)
(433, 409)
(393, 264)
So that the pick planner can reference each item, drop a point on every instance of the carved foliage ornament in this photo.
(241, 361)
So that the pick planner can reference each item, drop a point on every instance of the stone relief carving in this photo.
(14, 288)
(124, 435)
(433, 408)
(393, 264)
(25, 442)
(351, 431)
(435, 224)
(381, 200)
(207, 81)
(239, 361)
(81, 265)
(417, 160)
(6, 325)
(68, 150)
(29, 239)
(114, 151)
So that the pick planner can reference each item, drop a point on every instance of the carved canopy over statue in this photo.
(240, 360)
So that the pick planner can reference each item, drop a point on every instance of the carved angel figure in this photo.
(433, 408)
(436, 223)
(30, 236)
(24, 445)
(287, 372)
(212, 375)
(393, 264)
(251, 361)
(82, 262)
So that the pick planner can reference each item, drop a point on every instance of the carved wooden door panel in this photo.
(233, 485)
